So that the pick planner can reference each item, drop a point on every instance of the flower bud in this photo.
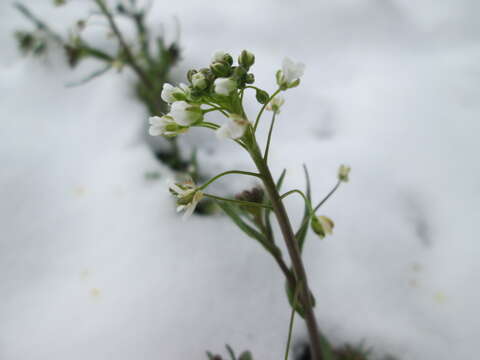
(222, 56)
(199, 81)
(262, 96)
(246, 59)
(190, 74)
(250, 79)
(220, 69)
(239, 73)
(343, 173)
(322, 226)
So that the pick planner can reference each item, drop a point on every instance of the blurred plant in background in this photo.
(149, 57)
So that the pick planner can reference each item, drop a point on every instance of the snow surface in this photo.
(95, 264)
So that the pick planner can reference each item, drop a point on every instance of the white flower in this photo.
(167, 93)
(164, 125)
(185, 114)
(291, 71)
(170, 93)
(218, 56)
(224, 86)
(187, 195)
(275, 104)
(234, 128)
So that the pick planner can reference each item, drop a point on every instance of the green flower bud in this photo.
(262, 96)
(199, 81)
(250, 79)
(246, 59)
(221, 69)
(322, 226)
(222, 57)
(343, 173)
(190, 73)
(239, 73)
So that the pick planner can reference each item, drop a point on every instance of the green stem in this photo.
(265, 155)
(314, 210)
(300, 192)
(328, 195)
(228, 173)
(257, 120)
(130, 58)
(239, 202)
(319, 347)
(38, 23)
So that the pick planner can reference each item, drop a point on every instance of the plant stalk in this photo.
(293, 250)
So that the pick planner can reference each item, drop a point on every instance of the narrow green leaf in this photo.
(280, 179)
(297, 305)
(301, 233)
(90, 77)
(230, 352)
(233, 212)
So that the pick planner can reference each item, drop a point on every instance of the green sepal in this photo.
(293, 84)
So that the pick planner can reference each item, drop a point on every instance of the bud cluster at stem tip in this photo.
(220, 87)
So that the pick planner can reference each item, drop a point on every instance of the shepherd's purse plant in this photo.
(221, 87)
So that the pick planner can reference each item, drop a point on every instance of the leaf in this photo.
(230, 352)
(301, 233)
(233, 213)
(298, 306)
(280, 179)
(246, 355)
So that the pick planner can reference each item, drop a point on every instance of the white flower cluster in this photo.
(219, 87)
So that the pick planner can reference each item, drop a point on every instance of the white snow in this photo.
(95, 264)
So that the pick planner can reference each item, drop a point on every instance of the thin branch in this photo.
(267, 148)
(238, 202)
(130, 58)
(229, 173)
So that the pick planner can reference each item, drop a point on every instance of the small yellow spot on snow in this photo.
(440, 298)
(416, 267)
(79, 191)
(413, 283)
(95, 293)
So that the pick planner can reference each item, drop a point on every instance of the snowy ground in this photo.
(94, 263)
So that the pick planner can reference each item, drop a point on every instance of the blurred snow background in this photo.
(94, 263)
